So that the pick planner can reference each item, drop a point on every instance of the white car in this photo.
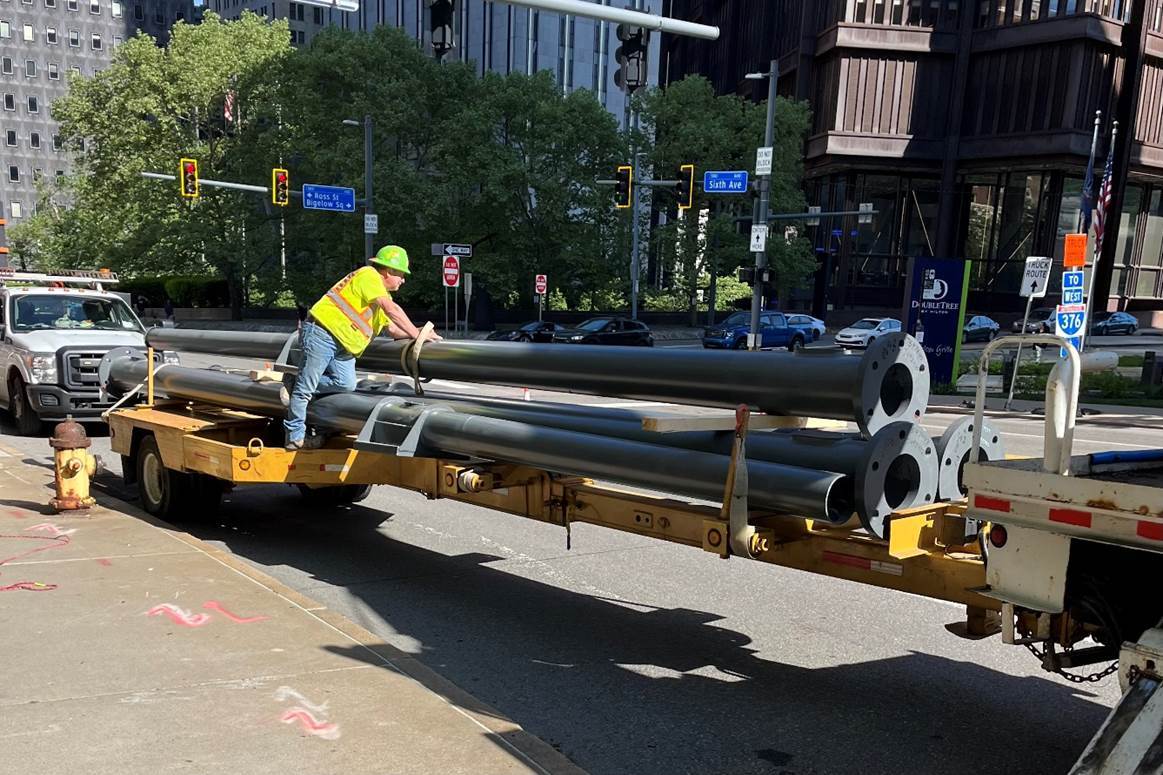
(54, 330)
(863, 332)
(808, 321)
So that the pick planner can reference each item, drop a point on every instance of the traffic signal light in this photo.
(188, 175)
(623, 186)
(686, 186)
(746, 275)
(440, 13)
(280, 187)
(631, 57)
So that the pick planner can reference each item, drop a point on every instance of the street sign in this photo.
(1070, 321)
(1072, 287)
(1074, 250)
(467, 288)
(451, 272)
(334, 198)
(816, 221)
(541, 284)
(371, 223)
(865, 213)
(725, 182)
(1036, 277)
(758, 237)
(763, 160)
(464, 251)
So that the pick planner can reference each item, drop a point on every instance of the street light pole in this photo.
(763, 205)
(368, 207)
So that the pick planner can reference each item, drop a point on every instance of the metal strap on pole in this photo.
(623, 16)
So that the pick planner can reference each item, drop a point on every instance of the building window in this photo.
(10, 102)
(14, 174)
(56, 142)
(115, 8)
(54, 71)
(26, 2)
(74, 39)
(316, 15)
(29, 35)
(10, 138)
(30, 68)
(16, 208)
(159, 16)
(71, 4)
(75, 69)
(50, 3)
(95, 7)
(5, 29)
(60, 175)
(117, 41)
(50, 34)
(33, 104)
(34, 140)
(138, 13)
(95, 42)
(6, 65)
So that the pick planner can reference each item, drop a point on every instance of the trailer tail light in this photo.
(998, 536)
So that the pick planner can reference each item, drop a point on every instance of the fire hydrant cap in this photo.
(69, 435)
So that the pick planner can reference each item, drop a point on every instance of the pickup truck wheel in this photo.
(27, 423)
(797, 344)
(740, 344)
(163, 492)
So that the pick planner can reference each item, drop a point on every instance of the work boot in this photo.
(294, 446)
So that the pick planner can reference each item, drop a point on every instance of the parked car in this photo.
(775, 330)
(808, 321)
(864, 332)
(1041, 322)
(980, 328)
(616, 331)
(1107, 323)
(536, 331)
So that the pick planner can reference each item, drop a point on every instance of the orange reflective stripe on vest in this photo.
(362, 322)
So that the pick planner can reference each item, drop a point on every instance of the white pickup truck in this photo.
(54, 330)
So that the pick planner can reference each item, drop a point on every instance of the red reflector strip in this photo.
(992, 504)
(1150, 530)
(1070, 517)
(848, 559)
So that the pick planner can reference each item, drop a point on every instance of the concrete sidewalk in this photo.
(1097, 414)
(131, 647)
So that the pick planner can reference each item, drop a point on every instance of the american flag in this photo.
(1104, 199)
(228, 107)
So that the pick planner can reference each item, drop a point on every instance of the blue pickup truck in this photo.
(774, 329)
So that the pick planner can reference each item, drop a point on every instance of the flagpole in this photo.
(1097, 247)
(1086, 201)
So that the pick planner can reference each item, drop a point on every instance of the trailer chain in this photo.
(1074, 677)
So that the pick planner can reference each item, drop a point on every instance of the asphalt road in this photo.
(631, 655)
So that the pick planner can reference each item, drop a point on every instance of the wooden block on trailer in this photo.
(679, 423)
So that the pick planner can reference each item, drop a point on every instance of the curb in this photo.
(534, 751)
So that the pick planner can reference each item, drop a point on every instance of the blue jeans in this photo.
(325, 368)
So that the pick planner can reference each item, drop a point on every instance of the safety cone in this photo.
(524, 394)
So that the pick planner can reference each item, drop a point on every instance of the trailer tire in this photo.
(163, 492)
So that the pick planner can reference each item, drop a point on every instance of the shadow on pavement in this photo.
(627, 688)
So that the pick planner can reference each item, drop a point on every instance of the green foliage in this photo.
(152, 288)
(197, 292)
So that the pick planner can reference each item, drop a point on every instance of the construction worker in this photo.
(340, 326)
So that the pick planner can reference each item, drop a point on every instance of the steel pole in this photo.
(887, 383)
(761, 211)
(783, 489)
(368, 207)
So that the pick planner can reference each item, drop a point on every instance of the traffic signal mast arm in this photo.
(228, 184)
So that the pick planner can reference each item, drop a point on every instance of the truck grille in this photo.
(79, 369)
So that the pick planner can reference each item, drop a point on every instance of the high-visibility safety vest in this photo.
(349, 310)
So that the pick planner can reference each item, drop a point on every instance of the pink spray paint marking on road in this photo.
(214, 605)
(28, 586)
(311, 725)
(55, 542)
(284, 693)
(104, 561)
(179, 615)
(50, 528)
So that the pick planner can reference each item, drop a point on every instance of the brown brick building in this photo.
(967, 123)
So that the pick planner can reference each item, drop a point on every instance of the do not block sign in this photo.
(451, 272)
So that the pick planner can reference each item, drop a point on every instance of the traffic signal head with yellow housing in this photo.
(623, 186)
(280, 187)
(686, 187)
(188, 175)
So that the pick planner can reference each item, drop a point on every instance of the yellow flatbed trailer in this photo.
(184, 455)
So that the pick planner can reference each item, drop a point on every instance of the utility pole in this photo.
(368, 207)
(762, 206)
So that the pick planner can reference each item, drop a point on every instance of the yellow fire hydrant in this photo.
(72, 466)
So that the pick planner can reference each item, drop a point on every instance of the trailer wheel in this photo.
(163, 492)
(335, 495)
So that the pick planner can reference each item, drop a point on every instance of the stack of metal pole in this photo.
(888, 464)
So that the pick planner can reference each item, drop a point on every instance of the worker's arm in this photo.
(401, 326)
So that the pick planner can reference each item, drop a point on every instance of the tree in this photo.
(691, 124)
(150, 108)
